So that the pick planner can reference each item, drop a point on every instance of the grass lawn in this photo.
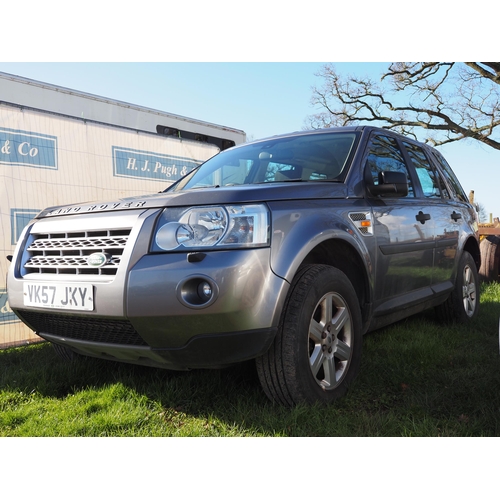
(418, 378)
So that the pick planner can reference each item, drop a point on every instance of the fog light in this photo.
(205, 290)
(197, 292)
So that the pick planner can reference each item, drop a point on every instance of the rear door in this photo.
(459, 218)
(445, 214)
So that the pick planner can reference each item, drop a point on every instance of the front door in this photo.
(404, 232)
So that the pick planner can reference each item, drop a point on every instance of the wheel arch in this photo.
(346, 257)
(472, 246)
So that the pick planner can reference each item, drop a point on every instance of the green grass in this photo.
(418, 378)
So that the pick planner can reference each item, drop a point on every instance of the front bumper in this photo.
(204, 351)
(141, 315)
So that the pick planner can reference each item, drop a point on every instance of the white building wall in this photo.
(49, 159)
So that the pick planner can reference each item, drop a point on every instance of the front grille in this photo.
(86, 329)
(67, 252)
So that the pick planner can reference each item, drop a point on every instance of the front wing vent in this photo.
(363, 222)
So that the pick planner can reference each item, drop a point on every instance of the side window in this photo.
(451, 178)
(427, 176)
(444, 190)
(385, 155)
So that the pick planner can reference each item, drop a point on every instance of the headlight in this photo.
(207, 227)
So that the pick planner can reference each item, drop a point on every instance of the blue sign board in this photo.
(147, 165)
(19, 218)
(28, 149)
(6, 314)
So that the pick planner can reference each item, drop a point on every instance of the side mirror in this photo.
(390, 185)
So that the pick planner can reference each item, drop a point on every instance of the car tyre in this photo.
(317, 351)
(463, 303)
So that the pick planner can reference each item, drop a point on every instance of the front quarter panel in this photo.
(298, 231)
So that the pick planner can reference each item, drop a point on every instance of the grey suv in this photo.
(285, 250)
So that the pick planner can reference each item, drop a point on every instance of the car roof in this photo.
(367, 129)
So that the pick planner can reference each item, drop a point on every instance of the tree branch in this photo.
(454, 100)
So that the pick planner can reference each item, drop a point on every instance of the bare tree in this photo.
(450, 101)
(482, 213)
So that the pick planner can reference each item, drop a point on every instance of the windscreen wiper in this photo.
(205, 187)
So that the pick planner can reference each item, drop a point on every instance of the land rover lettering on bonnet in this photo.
(285, 250)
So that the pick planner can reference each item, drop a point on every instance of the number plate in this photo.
(73, 296)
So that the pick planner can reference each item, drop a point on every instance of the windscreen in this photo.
(310, 157)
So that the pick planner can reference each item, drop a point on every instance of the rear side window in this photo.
(385, 155)
(427, 176)
(451, 178)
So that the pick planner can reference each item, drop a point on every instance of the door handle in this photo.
(421, 217)
(455, 216)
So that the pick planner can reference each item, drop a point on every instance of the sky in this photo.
(250, 67)
(260, 98)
